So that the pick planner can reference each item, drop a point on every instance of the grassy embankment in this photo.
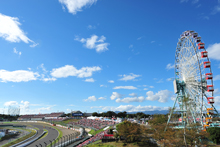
(93, 132)
(65, 122)
(117, 144)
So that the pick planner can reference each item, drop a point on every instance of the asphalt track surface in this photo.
(52, 134)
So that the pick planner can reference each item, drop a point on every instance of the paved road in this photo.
(39, 131)
(52, 134)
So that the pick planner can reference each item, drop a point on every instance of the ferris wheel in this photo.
(193, 82)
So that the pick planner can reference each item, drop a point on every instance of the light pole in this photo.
(54, 141)
(50, 143)
(45, 144)
(61, 140)
(69, 138)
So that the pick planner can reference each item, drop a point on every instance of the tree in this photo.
(214, 134)
(110, 114)
(158, 119)
(95, 114)
(129, 131)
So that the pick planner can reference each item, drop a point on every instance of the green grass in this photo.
(33, 132)
(9, 122)
(119, 144)
(93, 132)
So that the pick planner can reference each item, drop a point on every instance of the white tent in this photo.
(92, 117)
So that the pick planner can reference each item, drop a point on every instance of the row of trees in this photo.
(133, 132)
(120, 114)
(8, 117)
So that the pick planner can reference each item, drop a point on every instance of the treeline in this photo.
(190, 136)
(4, 117)
(121, 114)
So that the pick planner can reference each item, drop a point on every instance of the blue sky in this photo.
(98, 55)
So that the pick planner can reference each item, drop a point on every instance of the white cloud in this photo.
(115, 95)
(214, 51)
(216, 9)
(195, 1)
(131, 46)
(183, 1)
(24, 105)
(91, 27)
(18, 76)
(151, 86)
(68, 110)
(95, 42)
(170, 79)
(131, 108)
(169, 66)
(173, 98)
(49, 79)
(111, 81)
(34, 44)
(145, 89)
(131, 76)
(217, 77)
(162, 96)
(96, 107)
(91, 98)
(130, 99)
(125, 87)
(89, 80)
(103, 86)
(139, 38)
(133, 94)
(10, 103)
(160, 81)
(16, 52)
(43, 109)
(216, 91)
(75, 6)
(10, 30)
(217, 100)
(152, 41)
(101, 98)
(70, 70)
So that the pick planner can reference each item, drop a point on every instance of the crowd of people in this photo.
(94, 138)
(91, 123)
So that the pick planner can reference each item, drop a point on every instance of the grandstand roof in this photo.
(76, 111)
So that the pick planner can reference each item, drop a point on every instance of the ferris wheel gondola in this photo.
(193, 82)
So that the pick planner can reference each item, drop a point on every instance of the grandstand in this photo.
(39, 117)
(93, 124)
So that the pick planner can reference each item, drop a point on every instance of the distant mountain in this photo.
(148, 112)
